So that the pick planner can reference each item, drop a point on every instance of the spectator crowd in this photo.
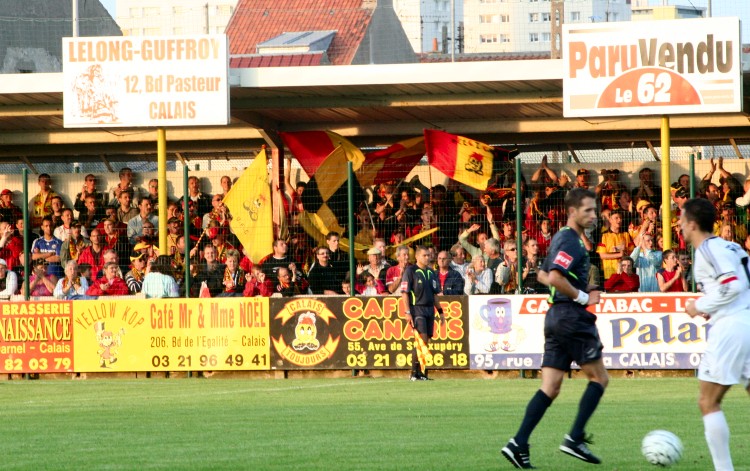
(106, 244)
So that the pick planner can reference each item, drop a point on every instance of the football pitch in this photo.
(339, 424)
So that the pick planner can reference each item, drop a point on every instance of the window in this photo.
(224, 9)
(575, 16)
(493, 18)
(178, 30)
(545, 37)
(178, 10)
(151, 11)
(487, 38)
(152, 31)
(504, 38)
(504, 18)
(533, 17)
(136, 12)
(533, 37)
(545, 17)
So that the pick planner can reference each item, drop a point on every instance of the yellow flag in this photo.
(249, 201)
(422, 351)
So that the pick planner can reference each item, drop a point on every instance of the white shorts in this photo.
(727, 357)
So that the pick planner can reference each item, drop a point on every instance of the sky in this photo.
(110, 6)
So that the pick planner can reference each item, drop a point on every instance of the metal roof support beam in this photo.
(29, 164)
(396, 101)
(104, 160)
(653, 151)
(181, 158)
(736, 149)
(573, 153)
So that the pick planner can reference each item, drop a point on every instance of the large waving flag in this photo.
(249, 201)
(393, 163)
(311, 148)
(326, 194)
(465, 160)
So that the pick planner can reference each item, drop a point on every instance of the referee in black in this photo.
(419, 286)
(570, 334)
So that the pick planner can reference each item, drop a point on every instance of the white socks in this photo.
(717, 437)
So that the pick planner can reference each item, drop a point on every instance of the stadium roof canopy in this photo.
(499, 102)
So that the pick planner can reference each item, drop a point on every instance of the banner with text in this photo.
(171, 334)
(638, 332)
(36, 337)
(361, 333)
(652, 67)
(145, 81)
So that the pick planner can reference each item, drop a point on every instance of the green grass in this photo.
(338, 424)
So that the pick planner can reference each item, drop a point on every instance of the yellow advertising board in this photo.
(171, 334)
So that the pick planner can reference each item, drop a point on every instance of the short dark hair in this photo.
(575, 197)
(123, 171)
(700, 211)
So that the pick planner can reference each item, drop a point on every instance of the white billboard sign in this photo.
(145, 81)
(652, 67)
(641, 331)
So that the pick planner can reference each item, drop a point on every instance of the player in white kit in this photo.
(722, 273)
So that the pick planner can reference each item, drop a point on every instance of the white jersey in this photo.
(721, 273)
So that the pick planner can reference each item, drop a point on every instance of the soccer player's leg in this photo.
(554, 364)
(586, 349)
(715, 426)
(725, 362)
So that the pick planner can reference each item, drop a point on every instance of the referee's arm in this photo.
(407, 305)
(556, 279)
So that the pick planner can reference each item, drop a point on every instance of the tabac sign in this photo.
(652, 68)
(145, 81)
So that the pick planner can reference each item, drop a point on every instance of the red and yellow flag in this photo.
(392, 163)
(422, 351)
(249, 200)
(465, 160)
(311, 148)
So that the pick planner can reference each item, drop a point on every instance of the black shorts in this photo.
(570, 334)
(424, 319)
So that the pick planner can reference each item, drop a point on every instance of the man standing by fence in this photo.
(419, 287)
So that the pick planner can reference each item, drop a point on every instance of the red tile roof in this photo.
(280, 60)
(256, 21)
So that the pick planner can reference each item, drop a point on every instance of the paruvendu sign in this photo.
(652, 67)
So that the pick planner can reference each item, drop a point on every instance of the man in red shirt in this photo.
(110, 285)
(394, 273)
(624, 280)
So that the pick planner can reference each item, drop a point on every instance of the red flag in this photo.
(460, 158)
(312, 147)
(393, 163)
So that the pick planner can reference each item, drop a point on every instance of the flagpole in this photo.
(350, 222)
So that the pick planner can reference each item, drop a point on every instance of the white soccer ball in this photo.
(661, 447)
